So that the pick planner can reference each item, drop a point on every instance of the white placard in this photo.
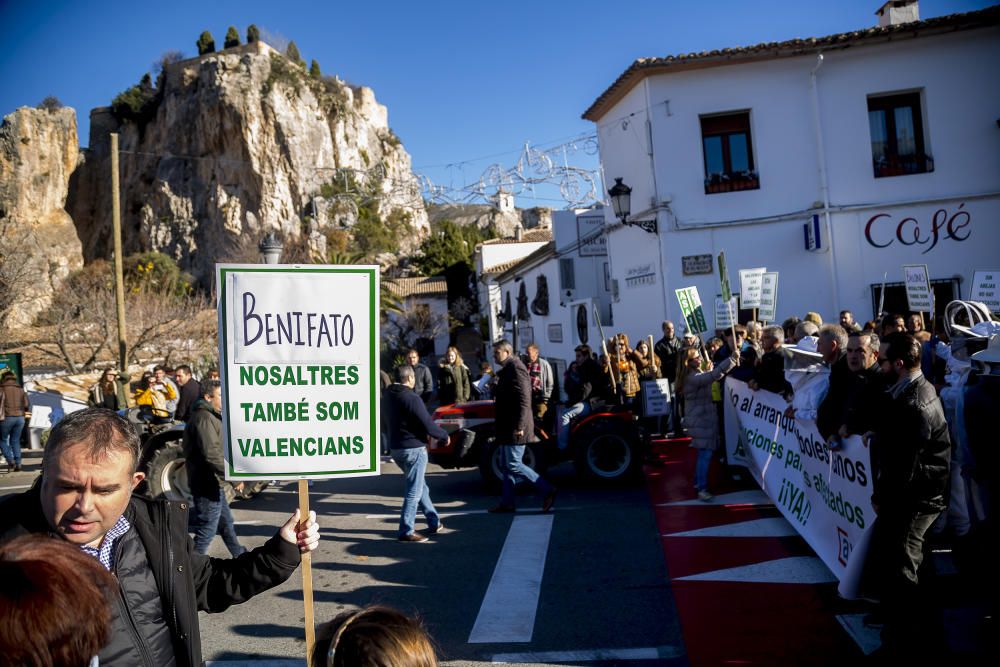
(768, 297)
(298, 349)
(750, 282)
(919, 298)
(656, 397)
(725, 316)
(824, 494)
(986, 289)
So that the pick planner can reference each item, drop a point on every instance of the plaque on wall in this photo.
(555, 333)
(694, 265)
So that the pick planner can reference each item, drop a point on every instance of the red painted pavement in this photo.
(739, 623)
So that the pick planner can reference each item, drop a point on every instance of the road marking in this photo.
(511, 601)
(753, 497)
(792, 570)
(770, 527)
(20, 486)
(653, 653)
(445, 515)
(867, 639)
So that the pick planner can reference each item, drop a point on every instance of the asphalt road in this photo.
(603, 591)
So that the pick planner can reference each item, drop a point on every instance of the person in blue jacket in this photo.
(410, 429)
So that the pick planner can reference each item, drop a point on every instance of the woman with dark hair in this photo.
(108, 392)
(373, 637)
(454, 385)
(54, 603)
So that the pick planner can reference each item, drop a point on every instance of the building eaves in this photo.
(530, 236)
(794, 47)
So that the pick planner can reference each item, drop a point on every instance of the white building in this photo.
(884, 140)
(557, 291)
(425, 307)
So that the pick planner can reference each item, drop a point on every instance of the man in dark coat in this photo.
(84, 496)
(515, 427)
(666, 349)
(911, 453)
(189, 391)
(207, 473)
(769, 374)
(592, 388)
(832, 345)
(410, 430)
(424, 387)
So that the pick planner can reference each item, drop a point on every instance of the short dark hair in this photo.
(404, 373)
(412, 350)
(890, 319)
(903, 347)
(208, 387)
(505, 345)
(585, 350)
(375, 635)
(159, 367)
(185, 368)
(99, 429)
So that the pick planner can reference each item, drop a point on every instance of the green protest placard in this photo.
(298, 348)
(727, 293)
(691, 308)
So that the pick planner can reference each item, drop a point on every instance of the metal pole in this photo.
(116, 225)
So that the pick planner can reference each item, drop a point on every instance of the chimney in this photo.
(896, 12)
(518, 232)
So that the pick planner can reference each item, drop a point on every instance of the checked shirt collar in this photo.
(106, 550)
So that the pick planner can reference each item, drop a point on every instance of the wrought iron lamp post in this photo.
(270, 249)
(621, 202)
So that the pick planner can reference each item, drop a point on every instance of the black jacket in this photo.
(188, 395)
(203, 450)
(594, 384)
(770, 373)
(186, 581)
(832, 410)
(513, 404)
(912, 451)
(407, 420)
(667, 349)
(424, 388)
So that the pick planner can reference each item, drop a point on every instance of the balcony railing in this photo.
(902, 165)
(743, 180)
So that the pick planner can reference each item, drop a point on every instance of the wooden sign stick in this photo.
(307, 582)
(604, 348)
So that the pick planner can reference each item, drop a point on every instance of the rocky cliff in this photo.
(234, 144)
(39, 151)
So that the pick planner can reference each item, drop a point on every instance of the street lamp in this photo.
(621, 202)
(270, 248)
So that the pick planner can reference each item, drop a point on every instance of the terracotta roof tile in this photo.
(530, 236)
(419, 285)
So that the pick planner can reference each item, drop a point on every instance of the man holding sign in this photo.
(85, 497)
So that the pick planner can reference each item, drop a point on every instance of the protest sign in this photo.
(725, 313)
(768, 297)
(298, 348)
(750, 282)
(691, 308)
(727, 292)
(656, 398)
(824, 494)
(919, 298)
(986, 289)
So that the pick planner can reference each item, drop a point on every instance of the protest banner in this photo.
(691, 308)
(825, 495)
(986, 289)
(919, 297)
(298, 352)
(768, 296)
(656, 398)
(750, 283)
(725, 313)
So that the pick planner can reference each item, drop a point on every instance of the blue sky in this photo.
(462, 80)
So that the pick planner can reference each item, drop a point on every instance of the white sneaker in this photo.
(705, 496)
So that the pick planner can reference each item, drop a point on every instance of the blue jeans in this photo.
(211, 516)
(10, 439)
(567, 416)
(701, 469)
(514, 471)
(413, 463)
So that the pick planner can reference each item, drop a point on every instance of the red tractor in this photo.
(607, 446)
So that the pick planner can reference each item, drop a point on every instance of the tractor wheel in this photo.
(166, 475)
(607, 452)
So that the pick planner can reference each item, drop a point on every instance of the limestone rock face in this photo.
(39, 247)
(238, 143)
(484, 216)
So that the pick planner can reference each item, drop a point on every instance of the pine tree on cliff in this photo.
(206, 43)
(253, 34)
(293, 54)
(314, 70)
(232, 38)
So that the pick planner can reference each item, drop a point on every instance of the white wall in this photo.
(763, 227)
